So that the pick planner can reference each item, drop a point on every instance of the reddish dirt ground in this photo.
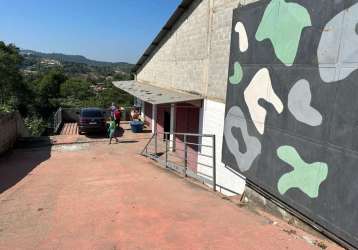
(98, 196)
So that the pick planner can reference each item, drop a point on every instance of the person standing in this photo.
(134, 114)
(117, 117)
(112, 130)
(113, 108)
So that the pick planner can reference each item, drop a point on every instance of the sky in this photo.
(105, 30)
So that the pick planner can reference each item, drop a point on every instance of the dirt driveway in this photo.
(99, 196)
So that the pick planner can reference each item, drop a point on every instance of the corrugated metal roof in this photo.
(153, 94)
(180, 10)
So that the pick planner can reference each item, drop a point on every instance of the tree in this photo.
(112, 94)
(12, 87)
(122, 77)
(37, 89)
(47, 91)
(49, 85)
(76, 88)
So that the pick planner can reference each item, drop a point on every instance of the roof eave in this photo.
(154, 94)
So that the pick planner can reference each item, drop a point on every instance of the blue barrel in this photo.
(136, 126)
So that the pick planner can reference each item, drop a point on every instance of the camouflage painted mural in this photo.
(291, 124)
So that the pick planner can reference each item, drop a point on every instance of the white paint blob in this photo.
(260, 88)
(243, 41)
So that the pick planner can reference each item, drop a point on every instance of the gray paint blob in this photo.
(337, 50)
(299, 104)
(235, 119)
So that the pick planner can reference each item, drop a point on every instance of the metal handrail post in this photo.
(185, 155)
(156, 143)
(61, 119)
(166, 151)
(214, 163)
(55, 122)
(146, 146)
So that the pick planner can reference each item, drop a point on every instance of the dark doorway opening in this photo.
(166, 124)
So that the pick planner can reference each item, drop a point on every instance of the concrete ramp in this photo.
(69, 129)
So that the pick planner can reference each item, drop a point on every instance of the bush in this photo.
(35, 125)
(6, 108)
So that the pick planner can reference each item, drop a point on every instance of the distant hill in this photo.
(126, 67)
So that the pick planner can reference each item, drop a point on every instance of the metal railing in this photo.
(57, 120)
(64, 115)
(192, 155)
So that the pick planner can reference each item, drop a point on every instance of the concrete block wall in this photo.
(195, 58)
(220, 48)
(195, 55)
(8, 131)
(180, 60)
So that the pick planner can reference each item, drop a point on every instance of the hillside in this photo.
(62, 58)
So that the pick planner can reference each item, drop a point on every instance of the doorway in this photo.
(166, 125)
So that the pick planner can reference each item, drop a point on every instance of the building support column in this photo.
(154, 127)
(172, 126)
(201, 124)
(143, 110)
(154, 118)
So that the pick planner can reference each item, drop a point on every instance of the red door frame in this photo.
(188, 121)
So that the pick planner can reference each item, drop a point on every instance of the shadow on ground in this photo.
(145, 131)
(128, 141)
(101, 135)
(17, 164)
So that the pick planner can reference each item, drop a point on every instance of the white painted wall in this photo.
(213, 123)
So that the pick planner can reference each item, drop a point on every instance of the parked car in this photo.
(92, 120)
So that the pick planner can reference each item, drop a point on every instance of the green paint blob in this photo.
(282, 23)
(307, 177)
(237, 76)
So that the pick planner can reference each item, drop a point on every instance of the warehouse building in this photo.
(275, 82)
(180, 80)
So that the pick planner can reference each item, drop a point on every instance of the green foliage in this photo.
(35, 125)
(49, 85)
(34, 56)
(11, 82)
(46, 91)
(6, 108)
(102, 99)
(38, 89)
(122, 77)
(76, 88)
(115, 95)
(71, 68)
